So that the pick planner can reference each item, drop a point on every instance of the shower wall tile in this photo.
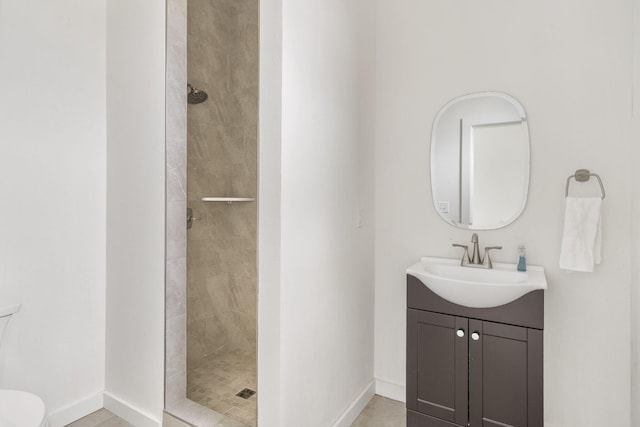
(210, 112)
(177, 182)
(208, 37)
(244, 33)
(176, 195)
(175, 389)
(176, 125)
(213, 179)
(218, 142)
(243, 64)
(175, 383)
(176, 171)
(222, 161)
(176, 40)
(242, 107)
(176, 249)
(176, 229)
(176, 292)
(176, 345)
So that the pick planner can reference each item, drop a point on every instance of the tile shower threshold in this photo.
(197, 415)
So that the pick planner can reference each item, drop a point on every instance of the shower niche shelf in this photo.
(228, 200)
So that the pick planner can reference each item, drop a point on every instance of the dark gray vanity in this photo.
(474, 326)
(477, 367)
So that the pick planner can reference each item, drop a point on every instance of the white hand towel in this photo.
(581, 240)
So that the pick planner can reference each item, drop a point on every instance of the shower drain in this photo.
(246, 393)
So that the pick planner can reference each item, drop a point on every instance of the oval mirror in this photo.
(480, 161)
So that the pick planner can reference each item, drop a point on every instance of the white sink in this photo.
(477, 287)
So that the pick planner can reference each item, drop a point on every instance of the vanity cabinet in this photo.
(470, 366)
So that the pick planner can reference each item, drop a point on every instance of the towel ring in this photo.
(583, 175)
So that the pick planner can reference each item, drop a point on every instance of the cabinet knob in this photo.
(460, 333)
(475, 336)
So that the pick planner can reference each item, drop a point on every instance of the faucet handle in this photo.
(487, 258)
(466, 252)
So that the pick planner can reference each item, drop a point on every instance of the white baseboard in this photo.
(356, 407)
(391, 390)
(70, 413)
(129, 413)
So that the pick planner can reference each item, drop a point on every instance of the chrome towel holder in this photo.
(583, 175)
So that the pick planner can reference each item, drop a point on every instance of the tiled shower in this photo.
(213, 348)
(221, 191)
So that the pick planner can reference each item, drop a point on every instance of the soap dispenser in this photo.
(522, 258)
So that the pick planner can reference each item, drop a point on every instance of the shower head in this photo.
(195, 96)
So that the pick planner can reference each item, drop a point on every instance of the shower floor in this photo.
(215, 380)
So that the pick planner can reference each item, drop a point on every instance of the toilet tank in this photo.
(5, 314)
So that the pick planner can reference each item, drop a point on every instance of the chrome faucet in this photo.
(474, 260)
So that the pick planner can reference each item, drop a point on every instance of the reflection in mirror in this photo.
(480, 161)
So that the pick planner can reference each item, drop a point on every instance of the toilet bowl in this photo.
(18, 408)
(21, 409)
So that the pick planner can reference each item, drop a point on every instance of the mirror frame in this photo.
(521, 111)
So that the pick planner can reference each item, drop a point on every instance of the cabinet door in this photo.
(505, 375)
(437, 365)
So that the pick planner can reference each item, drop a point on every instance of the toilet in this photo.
(19, 408)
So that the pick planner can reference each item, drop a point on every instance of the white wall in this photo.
(569, 64)
(52, 191)
(135, 209)
(326, 301)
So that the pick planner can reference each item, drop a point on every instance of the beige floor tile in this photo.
(115, 422)
(382, 412)
(169, 421)
(93, 420)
